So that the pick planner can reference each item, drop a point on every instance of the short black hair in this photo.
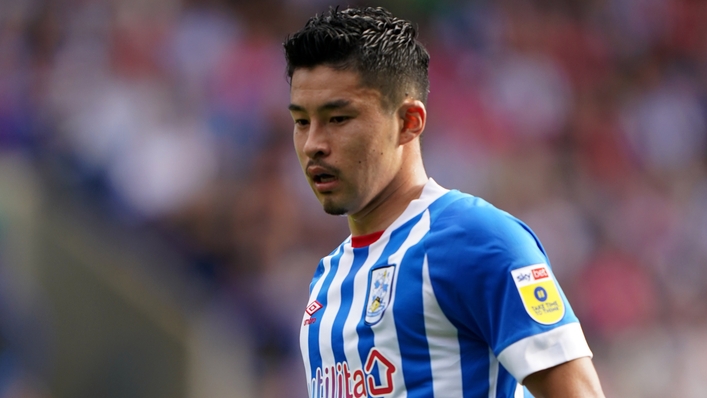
(383, 49)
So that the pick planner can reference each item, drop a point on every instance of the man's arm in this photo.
(573, 379)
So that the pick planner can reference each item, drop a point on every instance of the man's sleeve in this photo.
(500, 288)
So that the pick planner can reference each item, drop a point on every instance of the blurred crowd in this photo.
(586, 119)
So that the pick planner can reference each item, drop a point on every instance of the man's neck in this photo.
(385, 209)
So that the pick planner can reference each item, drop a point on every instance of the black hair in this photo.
(383, 49)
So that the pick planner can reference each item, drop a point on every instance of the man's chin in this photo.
(334, 210)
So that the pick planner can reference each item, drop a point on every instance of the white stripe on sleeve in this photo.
(545, 350)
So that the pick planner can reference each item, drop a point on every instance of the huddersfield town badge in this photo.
(379, 290)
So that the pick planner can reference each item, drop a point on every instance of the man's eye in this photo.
(339, 119)
(301, 122)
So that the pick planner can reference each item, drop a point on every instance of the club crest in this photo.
(379, 292)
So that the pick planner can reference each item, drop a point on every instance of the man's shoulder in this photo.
(469, 229)
(463, 212)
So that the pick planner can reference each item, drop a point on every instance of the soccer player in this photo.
(436, 293)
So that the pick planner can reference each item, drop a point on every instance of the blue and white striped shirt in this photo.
(455, 299)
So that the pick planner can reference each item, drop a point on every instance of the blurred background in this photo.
(157, 237)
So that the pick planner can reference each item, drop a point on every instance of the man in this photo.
(436, 293)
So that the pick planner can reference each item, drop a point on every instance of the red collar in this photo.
(365, 240)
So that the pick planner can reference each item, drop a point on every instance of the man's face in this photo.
(346, 142)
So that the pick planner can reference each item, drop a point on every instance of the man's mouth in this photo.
(323, 178)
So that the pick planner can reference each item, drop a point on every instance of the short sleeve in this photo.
(494, 282)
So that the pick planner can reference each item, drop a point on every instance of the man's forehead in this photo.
(324, 71)
(324, 77)
(324, 86)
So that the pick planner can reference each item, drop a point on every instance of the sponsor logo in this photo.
(379, 288)
(313, 307)
(540, 273)
(340, 381)
(540, 295)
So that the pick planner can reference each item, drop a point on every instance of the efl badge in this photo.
(539, 293)
(379, 288)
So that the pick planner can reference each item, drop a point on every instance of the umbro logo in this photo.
(313, 307)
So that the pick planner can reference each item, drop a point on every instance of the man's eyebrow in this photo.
(331, 105)
(295, 108)
(336, 104)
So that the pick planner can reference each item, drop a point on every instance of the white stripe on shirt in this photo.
(384, 333)
(304, 333)
(331, 308)
(360, 285)
(445, 357)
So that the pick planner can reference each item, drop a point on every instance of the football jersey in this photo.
(455, 299)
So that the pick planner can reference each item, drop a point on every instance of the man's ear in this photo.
(413, 116)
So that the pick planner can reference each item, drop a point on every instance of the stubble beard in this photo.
(333, 209)
(332, 206)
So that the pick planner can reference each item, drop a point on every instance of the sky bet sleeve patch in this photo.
(539, 293)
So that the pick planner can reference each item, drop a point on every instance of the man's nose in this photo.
(317, 143)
